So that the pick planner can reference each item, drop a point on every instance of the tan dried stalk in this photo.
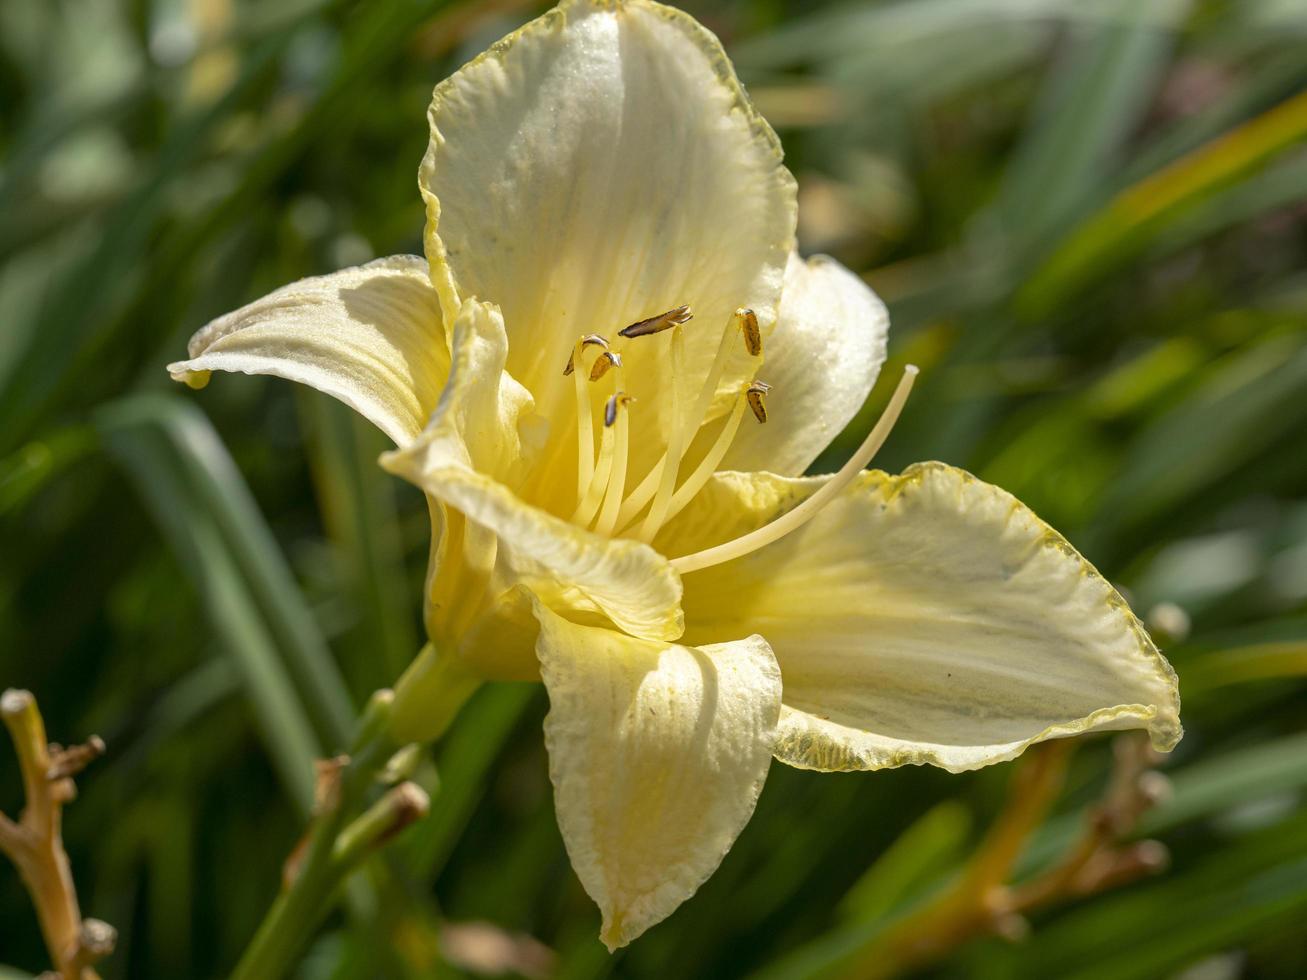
(35, 843)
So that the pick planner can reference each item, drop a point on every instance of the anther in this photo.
(659, 323)
(757, 395)
(608, 359)
(589, 340)
(749, 327)
(617, 399)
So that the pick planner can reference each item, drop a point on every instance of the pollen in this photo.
(748, 321)
(756, 393)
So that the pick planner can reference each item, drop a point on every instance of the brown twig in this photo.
(35, 843)
(982, 902)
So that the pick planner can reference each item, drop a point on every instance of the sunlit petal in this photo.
(370, 336)
(924, 618)
(657, 754)
(599, 166)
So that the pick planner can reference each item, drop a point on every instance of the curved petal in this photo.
(599, 166)
(371, 336)
(657, 754)
(821, 362)
(923, 618)
(469, 459)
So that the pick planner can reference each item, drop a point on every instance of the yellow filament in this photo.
(667, 480)
(585, 439)
(641, 495)
(585, 510)
(708, 465)
(617, 481)
(644, 491)
(683, 431)
(809, 509)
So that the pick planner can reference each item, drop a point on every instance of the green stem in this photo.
(299, 909)
(336, 846)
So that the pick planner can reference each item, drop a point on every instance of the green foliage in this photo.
(1088, 221)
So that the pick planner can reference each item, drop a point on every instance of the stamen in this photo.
(708, 465)
(682, 432)
(749, 327)
(586, 341)
(614, 412)
(807, 510)
(585, 440)
(603, 362)
(585, 510)
(667, 480)
(659, 323)
(756, 393)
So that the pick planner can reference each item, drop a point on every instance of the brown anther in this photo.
(618, 399)
(756, 393)
(589, 340)
(749, 327)
(659, 323)
(608, 359)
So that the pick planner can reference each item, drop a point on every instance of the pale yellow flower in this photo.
(628, 532)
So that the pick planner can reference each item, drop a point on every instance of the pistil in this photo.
(808, 509)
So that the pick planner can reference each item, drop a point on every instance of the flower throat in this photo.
(603, 504)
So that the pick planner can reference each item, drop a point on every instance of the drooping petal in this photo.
(923, 618)
(597, 167)
(469, 459)
(657, 754)
(821, 361)
(371, 336)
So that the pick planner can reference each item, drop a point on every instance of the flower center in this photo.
(602, 501)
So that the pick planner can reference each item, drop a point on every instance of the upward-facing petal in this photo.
(923, 618)
(597, 167)
(370, 336)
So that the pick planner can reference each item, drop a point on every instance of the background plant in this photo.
(1087, 219)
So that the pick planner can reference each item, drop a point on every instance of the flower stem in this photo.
(340, 838)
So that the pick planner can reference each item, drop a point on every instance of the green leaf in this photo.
(188, 480)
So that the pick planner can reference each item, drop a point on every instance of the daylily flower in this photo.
(572, 376)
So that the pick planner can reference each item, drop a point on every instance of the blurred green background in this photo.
(1089, 220)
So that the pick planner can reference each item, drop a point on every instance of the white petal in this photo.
(924, 618)
(657, 754)
(597, 167)
(370, 336)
